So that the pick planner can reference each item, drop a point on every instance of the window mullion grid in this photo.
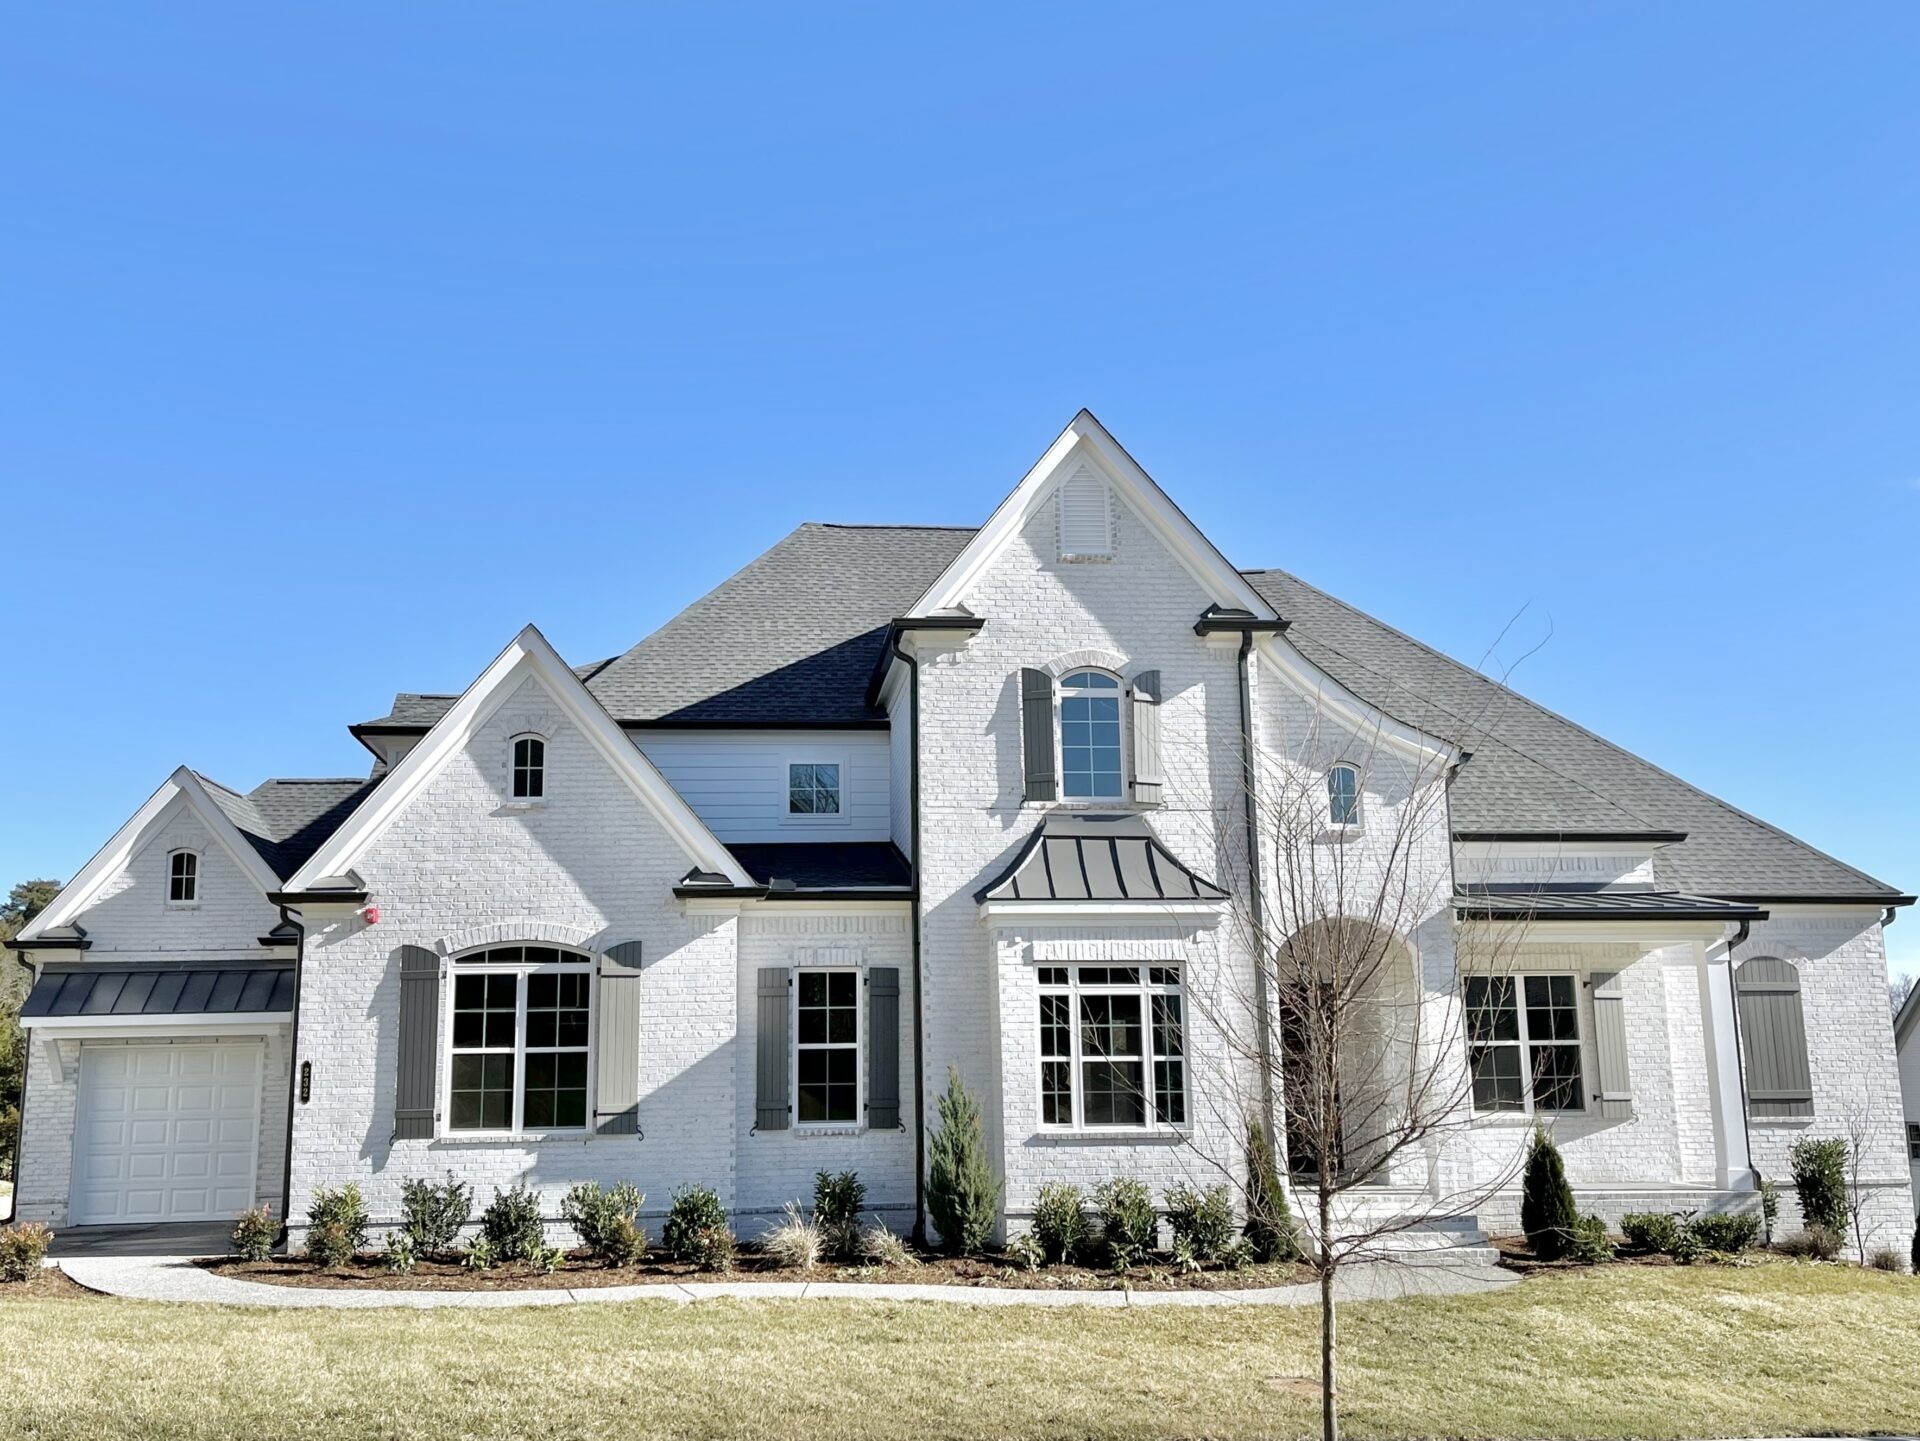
(519, 1049)
(1525, 1043)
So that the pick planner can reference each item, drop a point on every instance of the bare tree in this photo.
(1357, 1028)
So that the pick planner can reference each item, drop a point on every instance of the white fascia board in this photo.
(1086, 438)
(1102, 913)
(183, 787)
(1307, 680)
(528, 654)
(188, 1024)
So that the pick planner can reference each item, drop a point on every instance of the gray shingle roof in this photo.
(825, 865)
(1598, 905)
(1533, 770)
(285, 820)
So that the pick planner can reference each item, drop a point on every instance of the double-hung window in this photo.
(518, 1040)
(1112, 1047)
(826, 1052)
(1523, 1041)
(529, 768)
(183, 879)
(1343, 796)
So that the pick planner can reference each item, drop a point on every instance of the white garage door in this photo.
(166, 1133)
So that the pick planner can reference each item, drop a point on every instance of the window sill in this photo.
(507, 1138)
(825, 1129)
(183, 905)
(523, 804)
(1076, 804)
(1111, 1135)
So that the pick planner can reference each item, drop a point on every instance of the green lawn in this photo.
(1776, 1348)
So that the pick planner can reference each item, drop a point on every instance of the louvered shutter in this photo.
(1145, 695)
(1615, 1092)
(1036, 732)
(413, 1114)
(883, 1047)
(771, 1108)
(616, 1043)
(1085, 528)
(1773, 1035)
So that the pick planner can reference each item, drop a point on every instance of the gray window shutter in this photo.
(1773, 1034)
(616, 1043)
(1615, 1092)
(883, 1047)
(1145, 709)
(419, 1044)
(1036, 731)
(770, 1094)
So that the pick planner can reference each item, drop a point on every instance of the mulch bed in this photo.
(582, 1272)
(1517, 1255)
(50, 1284)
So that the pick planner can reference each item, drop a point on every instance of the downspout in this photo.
(1263, 1029)
(1737, 940)
(293, 1066)
(20, 1121)
(919, 1013)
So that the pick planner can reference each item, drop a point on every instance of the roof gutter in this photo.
(897, 628)
(1216, 621)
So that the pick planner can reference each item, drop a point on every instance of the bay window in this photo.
(1112, 1047)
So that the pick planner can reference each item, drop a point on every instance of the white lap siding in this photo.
(462, 865)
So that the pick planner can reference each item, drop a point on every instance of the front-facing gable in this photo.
(527, 657)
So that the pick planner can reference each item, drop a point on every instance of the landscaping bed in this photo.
(581, 1271)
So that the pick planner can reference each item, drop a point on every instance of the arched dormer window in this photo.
(529, 768)
(1090, 765)
(183, 878)
(1343, 795)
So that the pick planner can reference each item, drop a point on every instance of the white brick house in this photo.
(725, 909)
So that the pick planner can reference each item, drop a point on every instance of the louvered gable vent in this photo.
(1085, 526)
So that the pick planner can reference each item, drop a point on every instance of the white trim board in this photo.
(1087, 440)
(527, 654)
(182, 788)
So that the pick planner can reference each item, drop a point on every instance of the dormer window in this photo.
(813, 788)
(1090, 766)
(529, 768)
(1086, 526)
(183, 878)
(1343, 796)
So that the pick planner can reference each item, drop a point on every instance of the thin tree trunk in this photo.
(1329, 1418)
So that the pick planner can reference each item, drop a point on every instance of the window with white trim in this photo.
(1090, 762)
(1112, 1047)
(1343, 795)
(518, 1040)
(529, 768)
(183, 878)
(1913, 1141)
(826, 1045)
(813, 788)
(1523, 1043)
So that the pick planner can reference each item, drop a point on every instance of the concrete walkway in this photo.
(176, 1278)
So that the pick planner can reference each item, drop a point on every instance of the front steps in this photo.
(1422, 1239)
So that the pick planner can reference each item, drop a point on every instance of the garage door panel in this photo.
(166, 1133)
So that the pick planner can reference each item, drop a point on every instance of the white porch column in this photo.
(1731, 1164)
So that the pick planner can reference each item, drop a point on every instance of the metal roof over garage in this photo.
(160, 991)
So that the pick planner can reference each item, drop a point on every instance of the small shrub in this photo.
(714, 1249)
(511, 1224)
(1769, 1205)
(432, 1215)
(22, 1248)
(1589, 1243)
(880, 1247)
(795, 1243)
(1655, 1231)
(1270, 1227)
(1203, 1220)
(962, 1192)
(255, 1234)
(1686, 1247)
(479, 1256)
(1186, 1261)
(1888, 1258)
(1128, 1223)
(1239, 1255)
(1915, 1258)
(1060, 1221)
(1820, 1179)
(607, 1221)
(546, 1259)
(1724, 1232)
(837, 1200)
(1816, 1243)
(330, 1244)
(399, 1256)
(695, 1209)
(1026, 1252)
(1548, 1213)
(344, 1213)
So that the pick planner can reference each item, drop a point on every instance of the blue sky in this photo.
(341, 341)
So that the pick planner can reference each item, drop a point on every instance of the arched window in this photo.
(183, 878)
(1343, 796)
(529, 768)
(1090, 737)
(1773, 1035)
